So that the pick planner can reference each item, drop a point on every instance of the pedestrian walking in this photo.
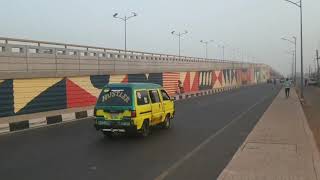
(287, 85)
(305, 82)
(180, 89)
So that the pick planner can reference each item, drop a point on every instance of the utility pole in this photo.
(292, 70)
(206, 46)
(295, 55)
(299, 4)
(317, 59)
(295, 59)
(309, 70)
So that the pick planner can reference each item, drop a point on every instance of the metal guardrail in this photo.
(43, 47)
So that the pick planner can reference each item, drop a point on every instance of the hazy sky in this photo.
(252, 26)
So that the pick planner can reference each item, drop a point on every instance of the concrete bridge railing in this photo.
(20, 58)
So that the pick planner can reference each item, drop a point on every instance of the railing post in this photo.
(27, 56)
(56, 60)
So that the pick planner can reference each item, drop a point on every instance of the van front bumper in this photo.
(116, 126)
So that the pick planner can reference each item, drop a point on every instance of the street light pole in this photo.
(292, 67)
(179, 34)
(299, 4)
(206, 46)
(295, 54)
(295, 59)
(125, 19)
(317, 58)
(222, 47)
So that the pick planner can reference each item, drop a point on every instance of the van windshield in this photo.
(115, 97)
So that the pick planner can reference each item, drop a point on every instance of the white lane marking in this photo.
(178, 163)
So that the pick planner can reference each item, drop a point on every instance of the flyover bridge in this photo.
(46, 82)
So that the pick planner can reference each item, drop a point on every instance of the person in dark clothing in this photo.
(305, 82)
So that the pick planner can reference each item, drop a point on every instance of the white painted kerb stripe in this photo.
(37, 122)
(68, 116)
(90, 112)
(4, 128)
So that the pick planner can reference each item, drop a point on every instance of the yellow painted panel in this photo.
(116, 78)
(1, 81)
(25, 90)
(217, 84)
(210, 78)
(192, 75)
(85, 83)
(183, 76)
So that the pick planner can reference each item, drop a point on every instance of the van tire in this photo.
(167, 122)
(145, 129)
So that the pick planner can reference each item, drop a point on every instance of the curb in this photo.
(44, 121)
(68, 117)
(315, 150)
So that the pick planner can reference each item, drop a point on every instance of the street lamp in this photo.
(179, 34)
(222, 47)
(125, 19)
(292, 52)
(295, 55)
(299, 4)
(206, 44)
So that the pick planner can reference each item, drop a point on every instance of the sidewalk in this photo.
(280, 147)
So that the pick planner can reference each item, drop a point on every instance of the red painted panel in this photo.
(78, 97)
(220, 77)
(170, 82)
(195, 85)
(186, 83)
(214, 78)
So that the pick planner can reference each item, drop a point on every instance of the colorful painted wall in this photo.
(24, 96)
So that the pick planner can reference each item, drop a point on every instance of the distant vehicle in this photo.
(312, 82)
(282, 80)
(133, 108)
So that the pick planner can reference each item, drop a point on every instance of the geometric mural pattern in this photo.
(24, 96)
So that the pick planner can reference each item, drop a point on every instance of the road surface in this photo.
(206, 133)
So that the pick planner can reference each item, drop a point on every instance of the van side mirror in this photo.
(171, 98)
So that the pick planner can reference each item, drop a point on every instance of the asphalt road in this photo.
(207, 131)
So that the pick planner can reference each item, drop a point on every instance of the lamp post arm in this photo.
(123, 19)
(288, 40)
(295, 3)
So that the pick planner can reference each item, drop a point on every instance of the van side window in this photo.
(154, 96)
(142, 97)
(165, 95)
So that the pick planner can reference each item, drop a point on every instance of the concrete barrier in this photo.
(45, 79)
(20, 58)
(63, 116)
